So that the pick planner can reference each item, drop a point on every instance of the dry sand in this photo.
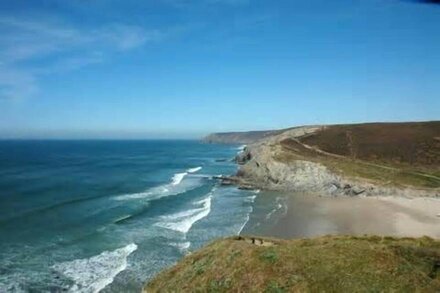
(309, 216)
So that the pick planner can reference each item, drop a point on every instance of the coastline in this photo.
(311, 215)
(380, 162)
(311, 195)
(319, 200)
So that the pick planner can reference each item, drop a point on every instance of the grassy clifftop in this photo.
(330, 264)
(394, 153)
(415, 143)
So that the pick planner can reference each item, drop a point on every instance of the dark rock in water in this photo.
(221, 160)
(243, 157)
(246, 187)
(234, 180)
(226, 182)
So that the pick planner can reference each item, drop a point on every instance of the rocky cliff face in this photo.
(259, 166)
(262, 166)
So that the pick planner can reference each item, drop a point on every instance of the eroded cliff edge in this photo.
(374, 159)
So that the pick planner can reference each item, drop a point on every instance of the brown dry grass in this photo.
(394, 153)
(330, 264)
(414, 144)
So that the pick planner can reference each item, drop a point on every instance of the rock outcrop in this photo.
(262, 167)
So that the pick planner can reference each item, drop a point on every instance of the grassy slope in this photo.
(330, 264)
(395, 153)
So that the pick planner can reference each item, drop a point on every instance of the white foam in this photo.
(194, 170)
(246, 221)
(280, 205)
(178, 177)
(269, 215)
(183, 221)
(95, 273)
(250, 198)
(176, 186)
(132, 196)
(242, 147)
(203, 201)
(182, 246)
(152, 193)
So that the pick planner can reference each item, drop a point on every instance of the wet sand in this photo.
(309, 216)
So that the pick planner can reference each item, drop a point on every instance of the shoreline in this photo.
(311, 215)
(314, 210)
(283, 161)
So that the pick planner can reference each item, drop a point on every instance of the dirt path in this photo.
(317, 150)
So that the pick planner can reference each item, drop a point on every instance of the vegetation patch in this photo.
(330, 264)
(397, 154)
(269, 255)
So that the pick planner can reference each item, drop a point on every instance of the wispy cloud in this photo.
(29, 48)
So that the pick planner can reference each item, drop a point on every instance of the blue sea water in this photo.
(89, 216)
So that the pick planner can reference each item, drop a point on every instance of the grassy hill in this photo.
(392, 153)
(326, 264)
(416, 144)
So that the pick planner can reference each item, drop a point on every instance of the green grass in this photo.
(414, 143)
(398, 154)
(391, 174)
(330, 264)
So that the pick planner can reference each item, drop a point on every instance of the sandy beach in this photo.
(311, 215)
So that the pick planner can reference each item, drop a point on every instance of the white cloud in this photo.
(57, 47)
(125, 37)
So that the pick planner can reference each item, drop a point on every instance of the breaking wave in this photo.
(95, 273)
(246, 221)
(241, 148)
(173, 188)
(178, 177)
(194, 170)
(250, 199)
(183, 221)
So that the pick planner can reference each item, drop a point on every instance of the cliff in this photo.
(380, 159)
(370, 159)
(326, 264)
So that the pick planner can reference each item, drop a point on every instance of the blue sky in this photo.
(176, 68)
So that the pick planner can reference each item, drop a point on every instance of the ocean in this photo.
(106, 216)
